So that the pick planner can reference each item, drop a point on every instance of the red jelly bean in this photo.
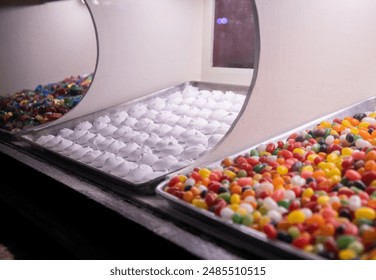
(301, 241)
(368, 177)
(270, 231)
(353, 175)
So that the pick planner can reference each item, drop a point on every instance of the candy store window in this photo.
(47, 60)
(234, 34)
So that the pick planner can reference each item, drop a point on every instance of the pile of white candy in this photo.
(150, 138)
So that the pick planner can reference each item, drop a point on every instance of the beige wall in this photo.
(45, 43)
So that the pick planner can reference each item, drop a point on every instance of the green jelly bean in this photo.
(276, 151)
(259, 167)
(254, 152)
(237, 218)
(294, 232)
(283, 203)
(356, 246)
(226, 196)
(344, 241)
(242, 173)
(247, 220)
(363, 221)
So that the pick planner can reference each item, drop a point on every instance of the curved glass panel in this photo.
(47, 60)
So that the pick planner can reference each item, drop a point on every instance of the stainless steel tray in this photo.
(144, 188)
(250, 235)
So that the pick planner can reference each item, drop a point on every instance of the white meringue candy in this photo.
(172, 149)
(101, 159)
(147, 158)
(172, 120)
(142, 123)
(239, 98)
(218, 114)
(190, 91)
(157, 104)
(181, 163)
(115, 146)
(197, 138)
(214, 139)
(154, 175)
(138, 153)
(217, 95)
(176, 131)
(175, 99)
(204, 113)
(197, 123)
(89, 157)
(210, 104)
(130, 121)
(151, 127)
(123, 169)
(193, 152)
(198, 102)
(101, 120)
(210, 127)
(65, 132)
(162, 130)
(84, 140)
(118, 117)
(137, 110)
(193, 111)
(162, 116)
(112, 162)
(205, 93)
(189, 100)
(222, 129)
(98, 126)
(77, 134)
(138, 174)
(121, 131)
(224, 104)
(108, 130)
(53, 142)
(140, 138)
(85, 125)
(230, 118)
(150, 114)
(128, 149)
(164, 163)
(79, 153)
(128, 135)
(166, 141)
(96, 140)
(105, 144)
(70, 149)
(152, 140)
(44, 139)
(236, 108)
(184, 121)
(229, 95)
(62, 145)
(182, 109)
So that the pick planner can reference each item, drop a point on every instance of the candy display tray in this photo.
(251, 239)
(96, 174)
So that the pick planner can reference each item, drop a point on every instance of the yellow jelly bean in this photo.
(323, 199)
(308, 192)
(354, 130)
(264, 220)
(347, 151)
(182, 178)
(199, 203)
(334, 172)
(326, 124)
(365, 213)
(335, 179)
(204, 172)
(235, 199)
(257, 177)
(372, 115)
(308, 168)
(309, 248)
(373, 183)
(234, 207)
(347, 254)
(282, 170)
(230, 174)
(299, 151)
(364, 124)
(312, 157)
(264, 153)
(346, 123)
(332, 157)
(296, 216)
(256, 215)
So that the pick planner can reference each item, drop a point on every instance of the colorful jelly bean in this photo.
(315, 191)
